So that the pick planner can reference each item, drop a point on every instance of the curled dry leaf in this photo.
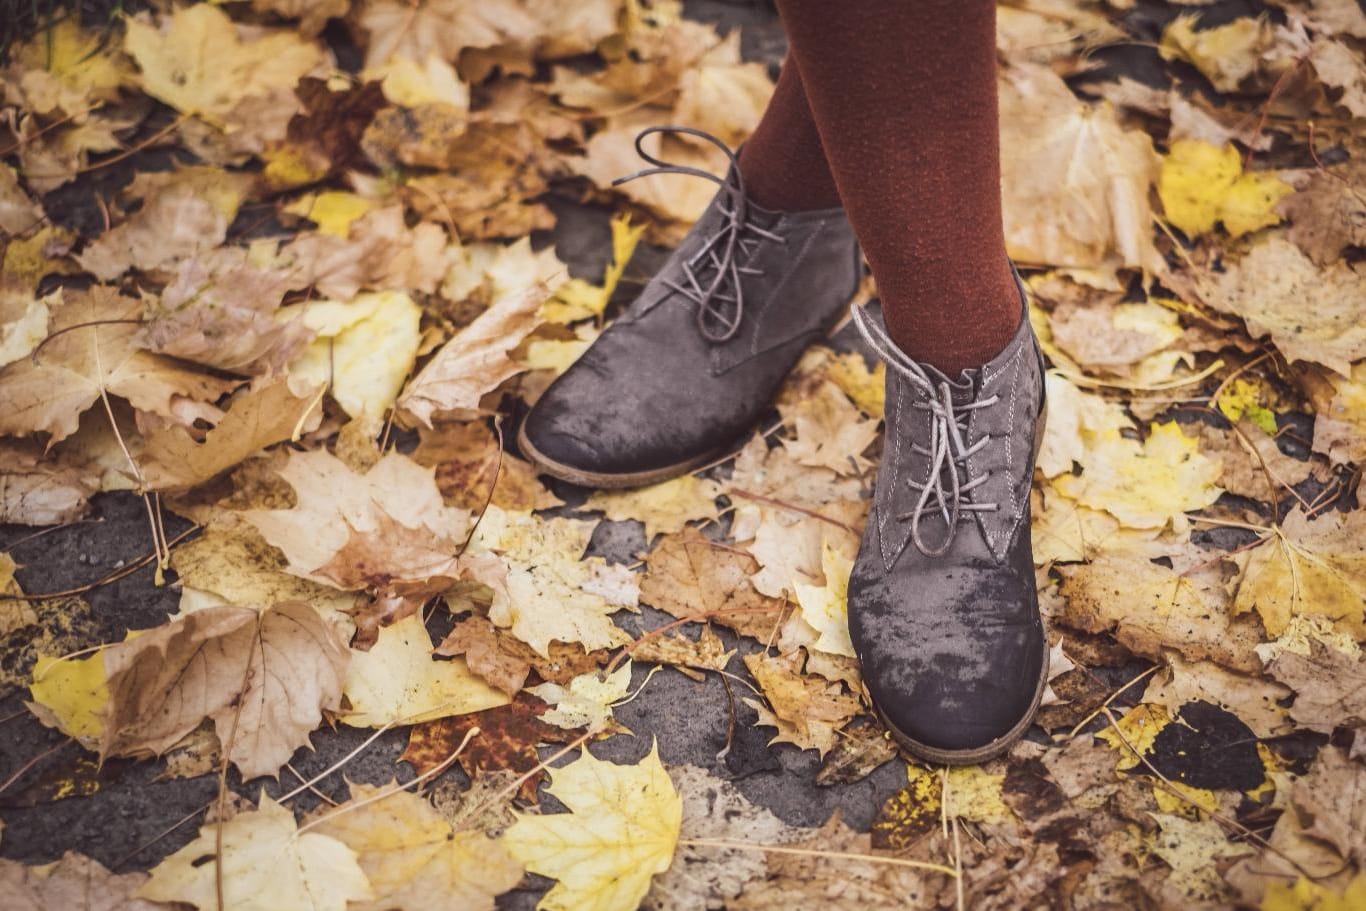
(475, 360)
(807, 710)
(263, 677)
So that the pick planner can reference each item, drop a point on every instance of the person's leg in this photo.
(782, 161)
(903, 93)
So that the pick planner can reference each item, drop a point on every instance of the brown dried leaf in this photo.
(466, 458)
(810, 709)
(1329, 214)
(1329, 685)
(75, 366)
(263, 676)
(73, 883)
(688, 574)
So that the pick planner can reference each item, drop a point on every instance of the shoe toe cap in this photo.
(952, 707)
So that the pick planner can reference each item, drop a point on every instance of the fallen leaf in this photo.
(1256, 701)
(1329, 687)
(587, 700)
(506, 744)
(1308, 567)
(826, 607)
(1150, 607)
(363, 352)
(263, 676)
(662, 508)
(687, 574)
(1311, 314)
(412, 857)
(73, 883)
(39, 491)
(542, 583)
(688, 656)
(469, 460)
(198, 63)
(492, 654)
(399, 682)
(1202, 184)
(830, 432)
(75, 367)
(386, 529)
(474, 361)
(1329, 213)
(621, 829)
(260, 417)
(1340, 67)
(1226, 54)
(266, 862)
(810, 709)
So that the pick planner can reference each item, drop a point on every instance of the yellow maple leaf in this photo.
(72, 695)
(971, 792)
(826, 607)
(64, 67)
(1226, 54)
(867, 388)
(588, 699)
(267, 862)
(410, 83)
(332, 211)
(365, 349)
(399, 682)
(1138, 729)
(543, 590)
(1315, 568)
(1147, 484)
(1202, 184)
(198, 64)
(621, 829)
(662, 508)
(409, 852)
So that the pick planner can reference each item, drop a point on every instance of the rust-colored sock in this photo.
(903, 94)
(782, 162)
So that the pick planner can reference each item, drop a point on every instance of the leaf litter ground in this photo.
(1199, 555)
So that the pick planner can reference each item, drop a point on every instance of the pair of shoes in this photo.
(943, 612)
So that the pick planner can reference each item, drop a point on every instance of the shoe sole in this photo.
(625, 480)
(976, 755)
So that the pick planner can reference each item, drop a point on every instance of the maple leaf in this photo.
(1144, 485)
(442, 29)
(806, 711)
(262, 676)
(543, 589)
(475, 360)
(410, 854)
(258, 418)
(499, 658)
(1076, 182)
(18, 213)
(74, 883)
(220, 310)
(506, 744)
(688, 574)
(1324, 219)
(1308, 567)
(587, 700)
(1150, 607)
(380, 252)
(75, 367)
(363, 351)
(1333, 796)
(576, 299)
(35, 491)
(1341, 68)
(184, 212)
(621, 829)
(721, 94)
(67, 69)
(1226, 54)
(830, 432)
(468, 460)
(199, 64)
(385, 529)
(706, 652)
(398, 682)
(825, 608)
(662, 508)
(1202, 184)
(1329, 686)
(1311, 313)
(1340, 413)
(264, 861)
(1255, 700)
(312, 14)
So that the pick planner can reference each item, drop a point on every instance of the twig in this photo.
(804, 852)
(760, 498)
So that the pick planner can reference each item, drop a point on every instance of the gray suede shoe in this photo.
(943, 611)
(695, 361)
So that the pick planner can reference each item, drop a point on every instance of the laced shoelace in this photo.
(947, 448)
(719, 298)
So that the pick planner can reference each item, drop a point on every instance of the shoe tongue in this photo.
(962, 390)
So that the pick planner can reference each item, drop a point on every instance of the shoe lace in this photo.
(944, 490)
(712, 274)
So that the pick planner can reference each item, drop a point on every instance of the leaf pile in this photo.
(305, 303)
